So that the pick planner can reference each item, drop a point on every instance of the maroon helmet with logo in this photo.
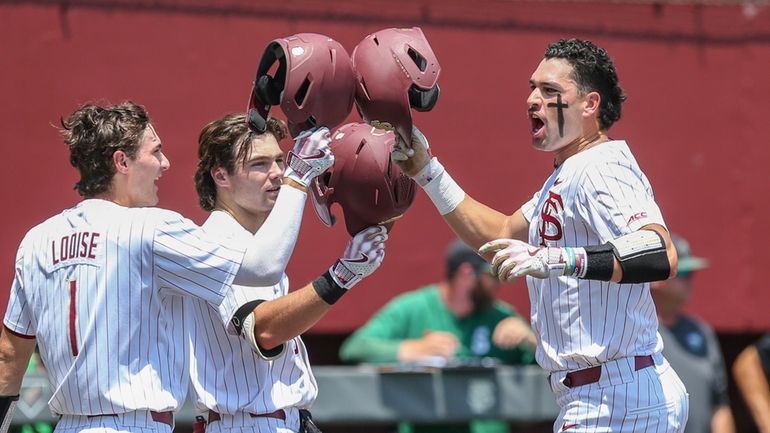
(363, 180)
(313, 83)
(396, 70)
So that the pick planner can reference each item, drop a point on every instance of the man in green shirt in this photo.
(457, 319)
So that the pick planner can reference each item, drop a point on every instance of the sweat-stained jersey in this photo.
(228, 377)
(101, 287)
(595, 196)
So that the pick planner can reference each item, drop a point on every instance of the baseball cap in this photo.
(687, 262)
(458, 253)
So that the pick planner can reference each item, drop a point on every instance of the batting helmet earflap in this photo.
(363, 180)
(313, 84)
(396, 70)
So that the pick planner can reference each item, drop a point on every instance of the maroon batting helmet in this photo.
(313, 84)
(396, 70)
(363, 180)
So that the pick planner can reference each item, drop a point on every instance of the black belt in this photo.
(162, 417)
(592, 375)
(278, 414)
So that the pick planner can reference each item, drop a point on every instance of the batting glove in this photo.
(411, 158)
(363, 255)
(514, 258)
(310, 157)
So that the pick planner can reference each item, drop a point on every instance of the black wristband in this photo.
(600, 262)
(328, 289)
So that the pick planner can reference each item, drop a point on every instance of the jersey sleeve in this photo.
(528, 208)
(190, 261)
(18, 316)
(241, 295)
(616, 199)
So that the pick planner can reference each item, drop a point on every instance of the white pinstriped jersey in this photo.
(227, 376)
(101, 287)
(595, 196)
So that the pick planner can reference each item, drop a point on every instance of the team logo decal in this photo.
(550, 226)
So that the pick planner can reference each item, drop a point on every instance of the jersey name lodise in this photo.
(101, 287)
(81, 245)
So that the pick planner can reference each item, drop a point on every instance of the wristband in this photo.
(327, 289)
(442, 190)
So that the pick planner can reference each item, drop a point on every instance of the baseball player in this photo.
(261, 383)
(100, 286)
(589, 242)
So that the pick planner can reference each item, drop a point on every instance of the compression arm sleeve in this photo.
(268, 252)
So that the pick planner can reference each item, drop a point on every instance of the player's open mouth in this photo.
(537, 125)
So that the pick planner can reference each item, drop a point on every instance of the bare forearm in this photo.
(284, 318)
(722, 421)
(751, 380)
(14, 357)
(476, 223)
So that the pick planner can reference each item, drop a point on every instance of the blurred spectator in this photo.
(457, 320)
(751, 371)
(692, 348)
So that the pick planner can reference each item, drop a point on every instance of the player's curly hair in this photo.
(592, 70)
(94, 133)
(223, 143)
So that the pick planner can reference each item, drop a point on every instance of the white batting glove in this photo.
(514, 258)
(310, 157)
(411, 158)
(363, 255)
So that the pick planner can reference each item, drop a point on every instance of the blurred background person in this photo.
(751, 371)
(692, 348)
(456, 320)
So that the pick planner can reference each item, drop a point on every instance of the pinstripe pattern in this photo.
(227, 376)
(594, 196)
(129, 318)
(648, 400)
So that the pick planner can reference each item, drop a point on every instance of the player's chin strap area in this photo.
(7, 407)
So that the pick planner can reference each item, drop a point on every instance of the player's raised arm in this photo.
(641, 256)
(272, 323)
(270, 249)
(474, 222)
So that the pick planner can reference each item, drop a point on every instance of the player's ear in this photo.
(220, 177)
(592, 104)
(120, 161)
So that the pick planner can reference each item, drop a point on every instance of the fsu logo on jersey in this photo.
(550, 226)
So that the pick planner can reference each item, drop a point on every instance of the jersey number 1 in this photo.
(73, 317)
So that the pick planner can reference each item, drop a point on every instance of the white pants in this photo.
(130, 422)
(651, 399)
(245, 423)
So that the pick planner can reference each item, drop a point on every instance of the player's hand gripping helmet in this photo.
(363, 180)
(396, 70)
(313, 84)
